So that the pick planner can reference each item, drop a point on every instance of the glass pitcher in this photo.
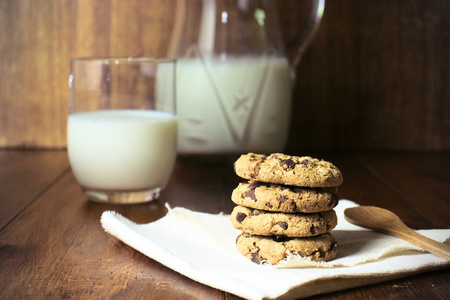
(234, 74)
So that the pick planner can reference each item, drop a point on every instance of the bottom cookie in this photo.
(274, 249)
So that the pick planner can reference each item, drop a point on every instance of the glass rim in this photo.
(124, 59)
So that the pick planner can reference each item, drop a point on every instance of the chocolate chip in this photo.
(256, 258)
(250, 194)
(283, 225)
(240, 217)
(304, 162)
(283, 199)
(314, 229)
(288, 164)
(269, 205)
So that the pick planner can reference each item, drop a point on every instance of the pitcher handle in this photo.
(302, 39)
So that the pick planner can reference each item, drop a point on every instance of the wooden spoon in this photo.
(382, 220)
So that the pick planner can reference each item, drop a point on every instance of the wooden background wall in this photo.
(376, 76)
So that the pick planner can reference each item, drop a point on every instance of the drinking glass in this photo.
(122, 127)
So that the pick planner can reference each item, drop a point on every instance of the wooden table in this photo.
(52, 244)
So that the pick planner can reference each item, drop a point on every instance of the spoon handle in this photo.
(432, 246)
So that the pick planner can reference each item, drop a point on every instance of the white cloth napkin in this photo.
(202, 247)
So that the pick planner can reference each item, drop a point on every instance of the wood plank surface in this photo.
(375, 77)
(24, 175)
(56, 248)
(64, 253)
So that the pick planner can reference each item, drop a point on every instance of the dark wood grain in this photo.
(64, 252)
(375, 77)
(24, 175)
(55, 247)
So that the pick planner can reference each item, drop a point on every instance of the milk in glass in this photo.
(122, 149)
(233, 105)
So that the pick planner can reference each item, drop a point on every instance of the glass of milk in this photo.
(122, 127)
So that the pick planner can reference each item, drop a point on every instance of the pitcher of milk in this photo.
(234, 74)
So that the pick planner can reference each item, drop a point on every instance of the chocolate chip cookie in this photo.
(284, 169)
(281, 198)
(274, 249)
(260, 222)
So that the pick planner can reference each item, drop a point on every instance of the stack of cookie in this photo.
(286, 207)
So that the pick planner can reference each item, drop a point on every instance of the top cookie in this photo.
(284, 169)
